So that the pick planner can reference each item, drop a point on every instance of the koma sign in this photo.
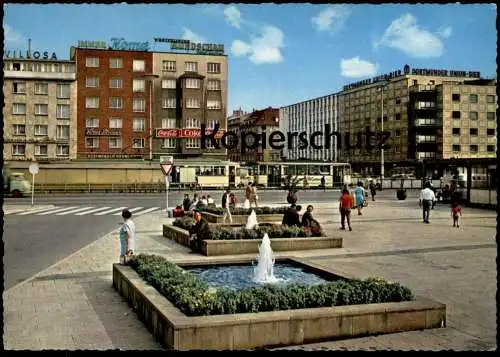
(277, 139)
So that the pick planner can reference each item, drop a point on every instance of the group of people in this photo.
(427, 201)
(291, 217)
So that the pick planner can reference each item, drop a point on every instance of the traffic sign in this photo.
(166, 169)
(34, 169)
(166, 160)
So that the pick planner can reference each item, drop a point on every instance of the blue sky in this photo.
(279, 54)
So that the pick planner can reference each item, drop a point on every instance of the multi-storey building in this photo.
(113, 103)
(39, 113)
(260, 122)
(311, 116)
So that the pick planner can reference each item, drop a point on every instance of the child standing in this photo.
(455, 212)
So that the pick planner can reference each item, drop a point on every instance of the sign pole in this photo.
(33, 169)
(166, 194)
(33, 192)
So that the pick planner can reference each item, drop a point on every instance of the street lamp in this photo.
(150, 78)
(382, 84)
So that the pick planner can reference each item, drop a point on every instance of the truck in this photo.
(15, 184)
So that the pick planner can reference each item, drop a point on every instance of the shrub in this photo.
(239, 211)
(184, 223)
(194, 297)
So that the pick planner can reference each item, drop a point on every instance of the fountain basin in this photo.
(248, 246)
(267, 329)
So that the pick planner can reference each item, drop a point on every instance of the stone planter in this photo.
(242, 219)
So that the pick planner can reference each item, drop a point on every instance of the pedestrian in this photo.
(345, 205)
(200, 232)
(311, 226)
(456, 211)
(233, 201)
(194, 202)
(359, 194)
(127, 237)
(248, 196)
(226, 207)
(186, 204)
(323, 183)
(427, 198)
(254, 196)
(373, 190)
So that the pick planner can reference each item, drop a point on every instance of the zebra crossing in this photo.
(85, 211)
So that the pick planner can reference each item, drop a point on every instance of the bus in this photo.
(274, 174)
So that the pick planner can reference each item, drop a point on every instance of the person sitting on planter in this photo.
(194, 202)
(309, 223)
(210, 201)
(291, 216)
(202, 203)
(233, 201)
(199, 232)
(186, 204)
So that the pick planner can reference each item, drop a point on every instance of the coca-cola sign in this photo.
(184, 133)
(166, 133)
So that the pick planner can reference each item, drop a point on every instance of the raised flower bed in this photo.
(184, 313)
(240, 215)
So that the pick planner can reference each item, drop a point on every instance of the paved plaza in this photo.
(72, 305)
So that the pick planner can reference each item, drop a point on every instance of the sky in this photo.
(278, 54)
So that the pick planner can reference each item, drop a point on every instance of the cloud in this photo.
(357, 68)
(331, 19)
(187, 34)
(445, 32)
(11, 36)
(263, 49)
(406, 35)
(233, 16)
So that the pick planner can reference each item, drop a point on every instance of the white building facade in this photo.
(311, 116)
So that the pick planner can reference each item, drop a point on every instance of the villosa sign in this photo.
(185, 133)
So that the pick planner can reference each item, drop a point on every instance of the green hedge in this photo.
(230, 233)
(239, 211)
(194, 298)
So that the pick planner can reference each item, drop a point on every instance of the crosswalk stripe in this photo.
(56, 211)
(38, 210)
(73, 211)
(109, 211)
(92, 211)
(131, 210)
(147, 211)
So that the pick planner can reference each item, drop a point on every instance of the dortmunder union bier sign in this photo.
(199, 48)
(414, 71)
(185, 133)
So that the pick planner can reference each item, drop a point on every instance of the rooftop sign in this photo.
(116, 44)
(199, 48)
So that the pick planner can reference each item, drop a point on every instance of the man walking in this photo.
(427, 199)
(225, 207)
(345, 205)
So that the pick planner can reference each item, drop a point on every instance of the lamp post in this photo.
(150, 78)
(382, 85)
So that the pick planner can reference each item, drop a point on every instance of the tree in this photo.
(292, 186)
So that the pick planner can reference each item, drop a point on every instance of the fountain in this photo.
(252, 221)
(264, 271)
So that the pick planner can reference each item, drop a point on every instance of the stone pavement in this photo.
(72, 304)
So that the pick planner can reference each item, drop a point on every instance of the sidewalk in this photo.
(72, 304)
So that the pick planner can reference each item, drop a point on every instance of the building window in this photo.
(191, 67)
(490, 99)
(473, 131)
(490, 148)
(472, 98)
(455, 97)
(19, 88)
(473, 148)
(397, 133)
(138, 85)
(63, 91)
(213, 104)
(18, 108)
(168, 84)
(19, 129)
(41, 150)
(92, 102)
(115, 143)
(213, 84)
(62, 150)
(398, 100)
(139, 105)
(92, 62)
(192, 143)
(92, 82)
(62, 111)
(115, 83)
(115, 63)
(138, 66)
(41, 130)
(138, 143)
(456, 131)
(211, 123)
(62, 132)
(115, 123)
(398, 116)
(41, 109)
(18, 149)
(169, 143)
(192, 103)
(169, 66)
(169, 103)
(92, 123)
(490, 132)
(192, 83)
(455, 148)
(42, 88)
(92, 142)
(168, 123)
(139, 125)
(473, 115)
(16, 66)
(426, 139)
(455, 115)
(490, 115)
(115, 103)
(213, 67)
